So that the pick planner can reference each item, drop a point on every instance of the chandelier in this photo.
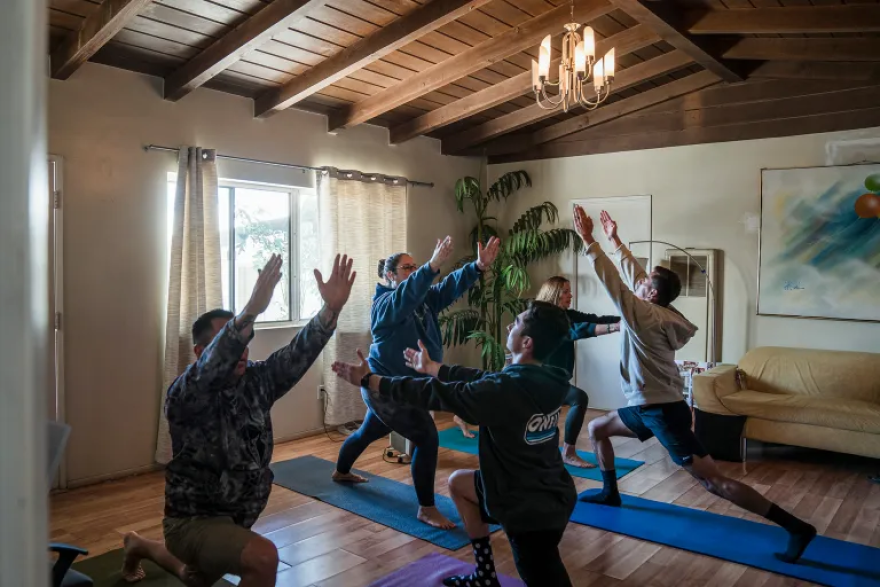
(582, 80)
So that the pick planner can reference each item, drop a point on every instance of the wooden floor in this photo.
(327, 547)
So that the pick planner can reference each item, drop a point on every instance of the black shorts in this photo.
(481, 499)
(670, 423)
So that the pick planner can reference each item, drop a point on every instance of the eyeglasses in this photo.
(407, 267)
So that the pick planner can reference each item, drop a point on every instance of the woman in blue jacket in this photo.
(406, 310)
(557, 291)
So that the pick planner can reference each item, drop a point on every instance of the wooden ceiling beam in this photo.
(816, 49)
(785, 20)
(666, 20)
(631, 76)
(108, 19)
(423, 20)
(839, 70)
(255, 31)
(628, 41)
(512, 41)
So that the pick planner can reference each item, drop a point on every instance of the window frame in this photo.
(293, 277)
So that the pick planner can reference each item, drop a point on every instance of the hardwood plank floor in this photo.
(322, 546)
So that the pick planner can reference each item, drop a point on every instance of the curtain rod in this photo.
(272, 163)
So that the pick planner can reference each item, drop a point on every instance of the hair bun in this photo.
(381, 268)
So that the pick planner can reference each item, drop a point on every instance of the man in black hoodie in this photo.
(522, 483)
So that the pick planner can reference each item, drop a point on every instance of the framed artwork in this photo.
(820, 243)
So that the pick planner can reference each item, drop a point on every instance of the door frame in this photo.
(56, 167)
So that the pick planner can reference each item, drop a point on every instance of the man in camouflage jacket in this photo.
(218, 411)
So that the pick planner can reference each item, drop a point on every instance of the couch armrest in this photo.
(712, 386)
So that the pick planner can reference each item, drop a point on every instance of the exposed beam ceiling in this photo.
(399, 33)
(108, 19)
(467, 62)
(666, 21)
(631, 76)
(255, 31)
(817, 70)
(815, 49)
(628, 41)
(786, 20)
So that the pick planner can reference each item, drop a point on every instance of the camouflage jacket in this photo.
(221, 429)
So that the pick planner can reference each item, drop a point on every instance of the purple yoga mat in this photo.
(429, 571)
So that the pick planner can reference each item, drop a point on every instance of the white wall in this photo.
(704, 196)
(115, 238)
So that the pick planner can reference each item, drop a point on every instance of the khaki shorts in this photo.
(211, 547)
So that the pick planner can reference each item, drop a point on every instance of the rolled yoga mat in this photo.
(105, 570)
(826, 561)
(453, 439)
(429, 571)
(382, 500)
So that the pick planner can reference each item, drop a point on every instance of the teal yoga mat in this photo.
(388, 502)
(453, 439)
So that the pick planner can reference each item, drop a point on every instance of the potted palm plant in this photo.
(497, 298)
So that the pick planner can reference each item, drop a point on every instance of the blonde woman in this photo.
(557, 291)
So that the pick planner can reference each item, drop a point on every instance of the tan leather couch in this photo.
(828, 400)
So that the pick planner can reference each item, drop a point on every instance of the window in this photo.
(257, 221)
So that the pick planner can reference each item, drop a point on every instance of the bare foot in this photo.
(570, 457)
(432, 517)
(464, 427)
(348, 478)
(132, 571)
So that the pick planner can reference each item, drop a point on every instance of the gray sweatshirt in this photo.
(651, 333)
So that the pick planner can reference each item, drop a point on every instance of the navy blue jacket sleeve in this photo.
(453, 287)
(477, 402)
(576, 317)
(397, 305)
(457, 373)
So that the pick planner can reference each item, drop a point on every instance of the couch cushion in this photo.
(820, 411)
(836, 374)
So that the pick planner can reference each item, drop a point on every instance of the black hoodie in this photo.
(524, 479)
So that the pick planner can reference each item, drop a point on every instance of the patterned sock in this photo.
(484, 575)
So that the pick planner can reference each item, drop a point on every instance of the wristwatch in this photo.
(365, 380)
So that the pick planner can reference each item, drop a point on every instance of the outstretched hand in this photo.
(486, 255)
(441, 253)
(420, 362)
(608, 225)
(261, 296)
(352, 372)
(335, 291)
(583, 224)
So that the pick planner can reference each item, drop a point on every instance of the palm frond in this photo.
(491, 351)
(458, 325)
(466, 188)
(507, 184)
(532, 218)
(516, 277)
(533, 245)
(463, 261)
(488, 232)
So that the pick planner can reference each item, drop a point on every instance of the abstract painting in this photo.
(820, 243)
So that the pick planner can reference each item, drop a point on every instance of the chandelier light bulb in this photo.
(536, 77)
(544, 58)
(589, 42)
(598, 76)
(609, 64)
(580, 60)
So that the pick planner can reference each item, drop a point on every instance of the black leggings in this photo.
(576, 399)
(537, 559)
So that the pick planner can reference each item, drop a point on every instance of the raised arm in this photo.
(632, 272)
(420, 362)
(592, 329)
(458, 282)
(412, 293)
(621, 295)
(286, 366)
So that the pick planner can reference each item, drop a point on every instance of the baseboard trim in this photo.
(300, 435)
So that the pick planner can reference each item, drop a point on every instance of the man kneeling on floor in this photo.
(522, 482)
(218, 480)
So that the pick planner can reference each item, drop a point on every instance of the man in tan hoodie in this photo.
(652, 332)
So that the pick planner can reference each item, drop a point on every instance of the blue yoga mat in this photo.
(826, 561)
(453, 439)
(382, 500)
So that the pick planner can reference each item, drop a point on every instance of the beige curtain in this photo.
(194, 283)
(363, 215)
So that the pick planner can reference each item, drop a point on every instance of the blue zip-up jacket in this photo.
(401, 317)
